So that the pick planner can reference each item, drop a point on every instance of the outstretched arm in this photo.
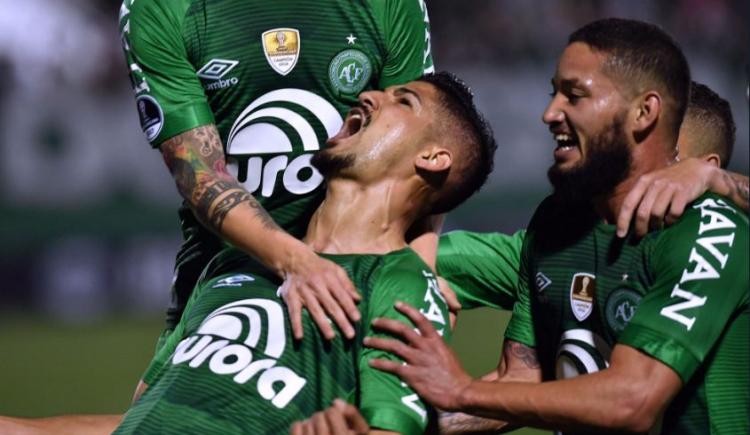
(197, 163)
(518, 363)
(661, 196)
(628, 396)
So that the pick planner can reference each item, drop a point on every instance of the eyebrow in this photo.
(566, 83)
(404, 90)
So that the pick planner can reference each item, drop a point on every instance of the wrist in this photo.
(716, 181)
(467, 397)
(284, 252)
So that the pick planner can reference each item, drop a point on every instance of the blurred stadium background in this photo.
(88, 224)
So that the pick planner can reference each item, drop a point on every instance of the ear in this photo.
(712, 159)
(647, 111)
(434, 159)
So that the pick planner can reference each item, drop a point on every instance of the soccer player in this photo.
(238, 96)
(708, 130)
(658, 339)
(233, 366)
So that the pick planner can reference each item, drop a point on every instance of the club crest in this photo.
(281, 47)
(582, 290)
(350, 71)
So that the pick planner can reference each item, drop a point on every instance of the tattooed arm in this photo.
(197, 163)
(518, 363)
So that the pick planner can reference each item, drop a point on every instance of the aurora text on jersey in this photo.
(233, 367)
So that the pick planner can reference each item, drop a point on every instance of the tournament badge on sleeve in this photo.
(582, 290)
(281, 47)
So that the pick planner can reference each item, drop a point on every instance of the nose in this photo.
(554, 114)
(370, 99)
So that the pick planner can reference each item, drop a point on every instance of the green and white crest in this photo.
(621, 306)
(349, 71)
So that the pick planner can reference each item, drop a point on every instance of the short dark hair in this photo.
(468, 127)
(712, 117)
(643, 56)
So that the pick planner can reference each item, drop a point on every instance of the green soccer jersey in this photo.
(235, 368)
(679, 296)
(275, 77)
(481, 268)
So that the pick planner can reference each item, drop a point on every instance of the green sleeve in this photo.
(169, 96)
(700, 283)
(521, 327)
(386, 402)
(482, 268)
(406, 31)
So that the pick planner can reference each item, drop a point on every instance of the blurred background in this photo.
(88, 223)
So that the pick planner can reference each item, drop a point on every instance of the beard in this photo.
(330, 165)
(606, 164)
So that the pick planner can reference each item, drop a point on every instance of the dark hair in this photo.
(643, 56)
(471, 131)
(713, 119)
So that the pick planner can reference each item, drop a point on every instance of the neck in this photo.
(647, 157)
(362, 219)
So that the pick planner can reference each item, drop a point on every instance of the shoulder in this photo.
(143, 12)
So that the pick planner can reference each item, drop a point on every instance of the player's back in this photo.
(237, 369)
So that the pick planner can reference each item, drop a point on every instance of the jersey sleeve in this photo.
(481, 268)
(169, 96)
(521, 327)
(700, 283)
(386, 402)
(406, 29)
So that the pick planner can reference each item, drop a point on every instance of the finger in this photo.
(347, 285)
(354, 419)
(395, 347)
(294, 306)
(629, 206)
(643, 214)
(333, 310)
(660, 206)
(336, 421)
(676, 208)
(398, 329)
(318, 316)
(345, 300)
(425, 327)
(320, 424)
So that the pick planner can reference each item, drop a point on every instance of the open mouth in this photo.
(356, 120)
(566, 141)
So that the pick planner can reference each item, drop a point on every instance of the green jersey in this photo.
(481, 268)
(235, 368)
(275, 77)
(679, 296)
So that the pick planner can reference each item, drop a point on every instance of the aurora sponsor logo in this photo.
(233, 281)
(272, 141)
(244, 339)
(215, 70)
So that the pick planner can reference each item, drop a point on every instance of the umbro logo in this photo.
(542, 282)
(216, 68)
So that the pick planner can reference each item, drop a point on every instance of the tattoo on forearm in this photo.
(197, 162)
(457, 422)
(739, 191)
(522, 352)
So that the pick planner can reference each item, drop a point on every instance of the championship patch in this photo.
(150, 115)
(349, 71)
(620, 308)
(281, 47)
(582, 290)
